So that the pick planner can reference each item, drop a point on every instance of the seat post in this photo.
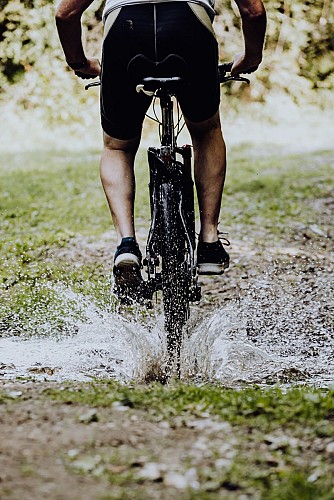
(167, 133)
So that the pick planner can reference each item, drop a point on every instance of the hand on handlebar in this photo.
(91, 70)
(243, 64)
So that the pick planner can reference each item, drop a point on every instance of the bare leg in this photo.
(210, 169)
(117, 175)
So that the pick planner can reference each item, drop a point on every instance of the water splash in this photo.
(218, 349)
(269, 335)
(103, 345)
(280, 330)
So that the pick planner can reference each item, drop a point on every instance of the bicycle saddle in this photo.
(169, 73)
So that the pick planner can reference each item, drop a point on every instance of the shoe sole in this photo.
(210, 268)
(126, 259)
(127, 275)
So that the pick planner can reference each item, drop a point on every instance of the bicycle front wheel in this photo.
(175, 271)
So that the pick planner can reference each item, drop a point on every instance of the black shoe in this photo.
(212, 258)
(127, 265)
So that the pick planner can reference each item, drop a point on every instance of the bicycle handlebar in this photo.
(224, 73)
(225, 68)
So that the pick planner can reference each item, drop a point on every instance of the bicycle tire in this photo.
(176, 276)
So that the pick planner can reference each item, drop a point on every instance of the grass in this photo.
(49, 199)
(256, 407)
(276, 190)
(279, 438)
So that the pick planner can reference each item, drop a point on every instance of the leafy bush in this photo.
(33, 71)
(298, 58)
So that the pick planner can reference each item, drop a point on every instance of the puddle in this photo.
(279, 331)
(103, 346)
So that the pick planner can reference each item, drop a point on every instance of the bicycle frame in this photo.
(164, 166)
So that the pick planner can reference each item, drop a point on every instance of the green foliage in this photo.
(295, 486)
(34, 294)
(33, 73)
(298, 59)
(260, 408)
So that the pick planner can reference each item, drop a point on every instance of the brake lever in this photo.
(236, 79)
(92, 84)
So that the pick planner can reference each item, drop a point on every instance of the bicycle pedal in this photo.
(195, 294)
(151, 264)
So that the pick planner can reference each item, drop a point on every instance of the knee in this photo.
(204, 130)
(126, 146)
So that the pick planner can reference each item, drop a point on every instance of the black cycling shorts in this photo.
(157, 30)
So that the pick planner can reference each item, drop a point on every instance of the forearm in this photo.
(68, 20)
(253, 16)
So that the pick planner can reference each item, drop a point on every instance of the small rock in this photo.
(164, 424)
(208, 424)
(330, 448)
(14, 394)
(176, 480)
(44, 370)
(150, 471)
(118, 406)
(313, 477)
(88, 417)
(277, 442)
(3, 366)
(316, 230)
(192, 478)
(73, 453)
(86, 464)
(223, 463)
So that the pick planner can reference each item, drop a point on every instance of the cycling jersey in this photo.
(115, 4)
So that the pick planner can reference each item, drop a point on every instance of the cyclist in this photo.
(157, 29)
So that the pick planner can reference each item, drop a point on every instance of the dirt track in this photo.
(64, 451)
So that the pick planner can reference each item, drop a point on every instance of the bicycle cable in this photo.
(177, 127)
(180, 117)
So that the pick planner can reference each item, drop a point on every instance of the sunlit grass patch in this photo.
(253, 406)
(275, 191)
(294, 485)
(50, 200)
(271, 443)
(43, 196)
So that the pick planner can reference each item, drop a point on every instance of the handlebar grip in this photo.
(223, 69)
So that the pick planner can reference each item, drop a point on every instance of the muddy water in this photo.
(279, 331)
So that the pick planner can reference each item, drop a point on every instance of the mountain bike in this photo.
(170, 262)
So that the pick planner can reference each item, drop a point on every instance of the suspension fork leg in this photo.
(188, 191)
(152, 245)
